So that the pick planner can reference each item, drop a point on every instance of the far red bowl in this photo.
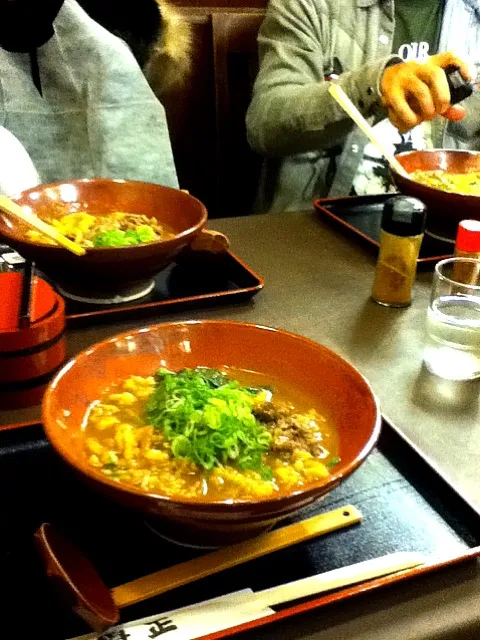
(106, 271)
(444, 210)
(335, 387)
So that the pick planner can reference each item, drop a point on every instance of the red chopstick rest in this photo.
(29, 356)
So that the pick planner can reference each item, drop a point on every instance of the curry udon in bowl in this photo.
(448, 182)
(131, 231)
(217, 428)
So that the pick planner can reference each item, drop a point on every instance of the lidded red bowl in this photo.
(29, 356)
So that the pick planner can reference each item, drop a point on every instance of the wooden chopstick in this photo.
(26, 295)
(35, 222)
(320, 583)
(352, 574)
(347, 105)
(211, 563)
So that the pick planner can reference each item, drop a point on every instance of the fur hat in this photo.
(155, 32)
(169, 62)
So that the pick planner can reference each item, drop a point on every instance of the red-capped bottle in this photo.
(467, 244)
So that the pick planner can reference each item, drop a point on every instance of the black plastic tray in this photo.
(405, 504)
(360, 218)
(204, 280)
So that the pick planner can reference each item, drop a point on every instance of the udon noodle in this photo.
(464, 183)
(116, 229)
(201, 434)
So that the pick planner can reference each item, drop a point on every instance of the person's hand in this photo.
(413, 92)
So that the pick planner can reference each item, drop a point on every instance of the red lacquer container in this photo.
(31, 355)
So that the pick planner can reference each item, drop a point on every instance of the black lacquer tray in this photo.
(203, 281)
(406, 507)
(359, 217)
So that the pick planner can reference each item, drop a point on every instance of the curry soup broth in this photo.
(462, 183)
(120, 443)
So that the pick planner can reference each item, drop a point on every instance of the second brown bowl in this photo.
(444, 210)
(107, 271)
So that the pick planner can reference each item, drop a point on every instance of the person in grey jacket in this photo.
(379, 51)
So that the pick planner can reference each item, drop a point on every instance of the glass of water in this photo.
(452, 350)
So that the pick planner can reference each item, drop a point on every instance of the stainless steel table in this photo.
(317, 283)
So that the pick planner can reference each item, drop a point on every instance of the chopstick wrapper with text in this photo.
(181, 625)
(231, 610)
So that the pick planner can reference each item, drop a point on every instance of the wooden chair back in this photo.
(235, 60)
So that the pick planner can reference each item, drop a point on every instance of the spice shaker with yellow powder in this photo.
(403, 223)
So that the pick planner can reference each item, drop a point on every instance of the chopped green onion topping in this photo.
(208, 419)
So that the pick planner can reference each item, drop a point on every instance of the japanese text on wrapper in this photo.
(153, 630)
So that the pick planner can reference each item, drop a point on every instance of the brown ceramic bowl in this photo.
(333, 385)
(107, 273)
(444, 210)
